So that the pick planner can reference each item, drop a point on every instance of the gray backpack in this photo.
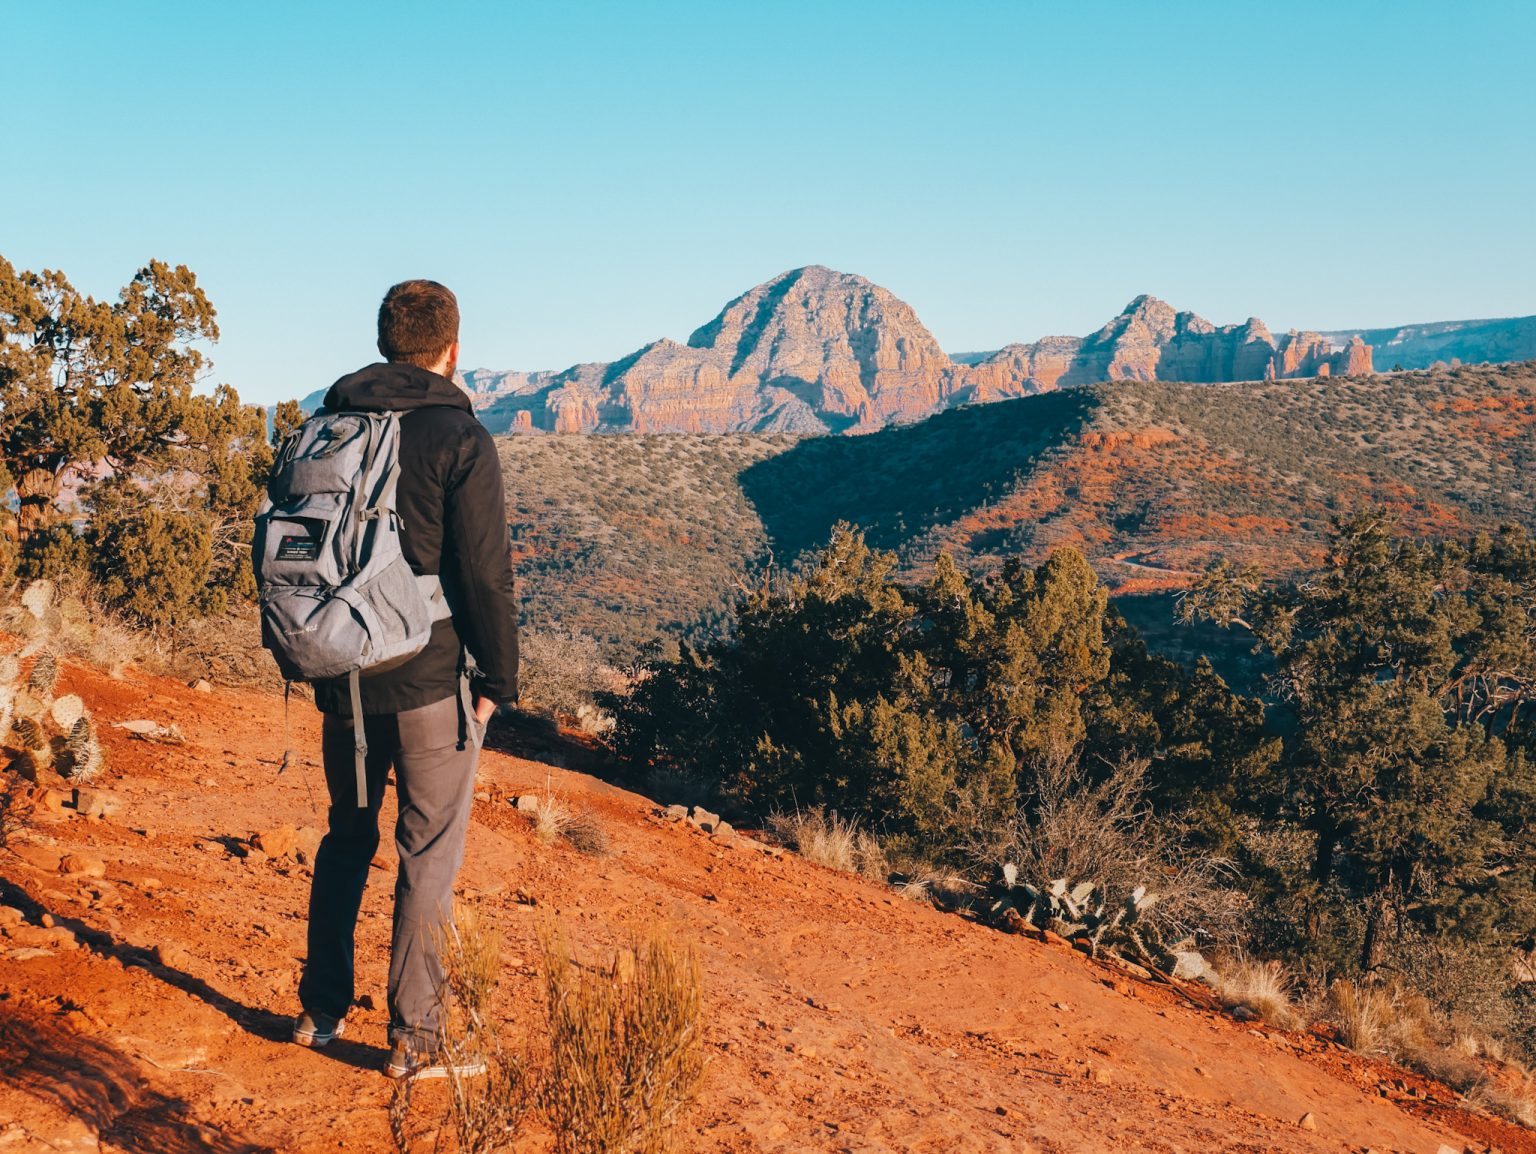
(338, 597)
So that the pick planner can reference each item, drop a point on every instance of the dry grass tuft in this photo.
(552, 818)
(1265, 988)
(626, 1045)
(1362, 1015)
(1515, 1103)
(1399, 1024)
(555, 819)
(832, 841)
(484, 1112)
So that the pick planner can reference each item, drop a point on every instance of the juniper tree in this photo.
(924, 711)
(1404, 672)
(106, 392)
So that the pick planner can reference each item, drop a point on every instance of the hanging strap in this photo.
(466, 708)
(287, 732)
(288, 757)
(359, 738)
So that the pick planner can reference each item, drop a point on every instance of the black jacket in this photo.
(453, 523)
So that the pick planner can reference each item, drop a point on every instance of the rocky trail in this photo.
(150, 952)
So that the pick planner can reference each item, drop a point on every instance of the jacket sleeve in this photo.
(478, 566)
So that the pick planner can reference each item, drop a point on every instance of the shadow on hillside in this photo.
(539, 737)
(104, 1088)
(1230, 651)
(258, 1021)
(901, 482)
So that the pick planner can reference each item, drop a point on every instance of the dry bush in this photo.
(15, 809)
(1515, 1102)
(564, 673)
(832, 841)
(585, 834)
(1395, 1022)
(625, 1045)
(1263, 987)
(226, 650)
(485, 1112)
(1105, 832)
(942, 888)
(1471, 987)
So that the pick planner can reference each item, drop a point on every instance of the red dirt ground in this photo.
(840, 1017)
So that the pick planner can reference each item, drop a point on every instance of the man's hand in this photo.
(484, 707)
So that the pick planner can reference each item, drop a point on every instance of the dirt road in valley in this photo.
(147, 1010)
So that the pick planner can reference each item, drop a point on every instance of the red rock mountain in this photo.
(1150, 341)
(814, 350)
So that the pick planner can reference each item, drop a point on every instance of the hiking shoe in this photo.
(314, 1029)
(407, 1062)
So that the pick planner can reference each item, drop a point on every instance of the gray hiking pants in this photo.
(434, 779)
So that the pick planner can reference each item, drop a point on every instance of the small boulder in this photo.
(527, 803)
(170, 956)
(724, 829)
(97, 803)
(279, 841)
(1307, 1121)
(201, 685)
(702, 818)
(676, 812)
(307, 843)
(82, 866)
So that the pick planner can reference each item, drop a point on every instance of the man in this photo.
(423, 718)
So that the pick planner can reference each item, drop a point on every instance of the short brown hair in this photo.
(418, 320)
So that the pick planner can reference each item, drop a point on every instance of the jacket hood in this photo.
(400, 387)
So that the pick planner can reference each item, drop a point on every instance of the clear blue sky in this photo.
(589, 177)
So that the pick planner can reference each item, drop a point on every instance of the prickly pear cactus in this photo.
(65, 711)
(1083, 910)
(44, 676)
(82, 752)
(38, 598)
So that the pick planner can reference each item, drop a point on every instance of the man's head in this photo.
(419, 325)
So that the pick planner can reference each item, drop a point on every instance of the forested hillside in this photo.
(622, 536)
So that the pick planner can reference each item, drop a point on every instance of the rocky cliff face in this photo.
(817, 351)
(1151, 341)
(810, 351)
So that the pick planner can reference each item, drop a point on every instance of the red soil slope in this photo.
(841, 1018)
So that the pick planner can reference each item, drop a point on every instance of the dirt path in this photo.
(152, 1015)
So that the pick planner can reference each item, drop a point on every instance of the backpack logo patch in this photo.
(297, 548)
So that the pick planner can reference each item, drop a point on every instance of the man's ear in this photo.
(451, 360)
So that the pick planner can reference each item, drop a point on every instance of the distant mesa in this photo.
(819, 351)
